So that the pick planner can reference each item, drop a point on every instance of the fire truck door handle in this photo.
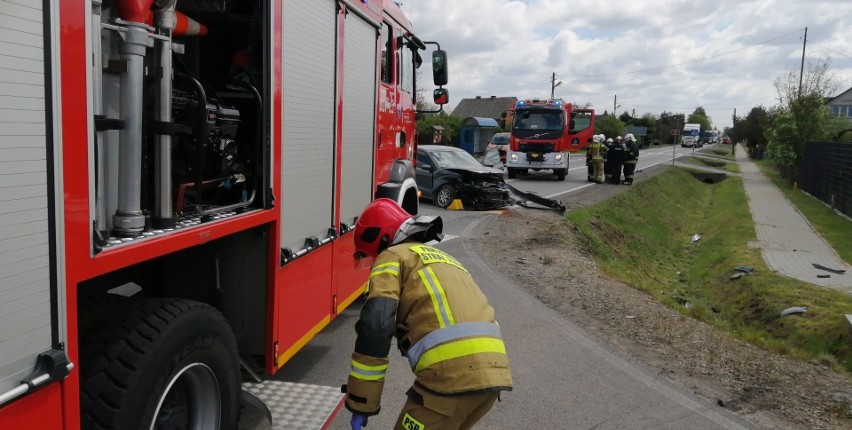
(51, 366)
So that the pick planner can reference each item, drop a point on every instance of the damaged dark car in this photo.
(446, 173)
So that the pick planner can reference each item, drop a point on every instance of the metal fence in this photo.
(827, 173)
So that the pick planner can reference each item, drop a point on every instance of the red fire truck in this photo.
(543, 134)
(181, 181)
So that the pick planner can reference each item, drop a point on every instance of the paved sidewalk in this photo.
(789, 243)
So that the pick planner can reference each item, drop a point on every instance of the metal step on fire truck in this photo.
(180, 183)
(544, 132)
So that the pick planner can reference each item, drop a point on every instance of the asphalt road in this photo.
(565, 378)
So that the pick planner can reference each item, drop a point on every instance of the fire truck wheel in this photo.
(511, 173)
(164, 363)
(444, 196)
(560, 174)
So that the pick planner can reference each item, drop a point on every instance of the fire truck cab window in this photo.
(580, 121)
(406, 67)
(387, 59)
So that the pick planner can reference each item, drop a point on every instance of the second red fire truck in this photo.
(544, 132)
(181, 181)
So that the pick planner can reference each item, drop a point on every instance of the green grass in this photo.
(721, 152)
(720, 164)
(644, 238)
(832, 226)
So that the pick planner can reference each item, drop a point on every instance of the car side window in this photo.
(423, 159)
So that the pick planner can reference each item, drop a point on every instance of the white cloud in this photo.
(669, 55)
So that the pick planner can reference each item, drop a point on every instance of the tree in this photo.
(609, 126)
(667, 122)
(801, 115)
(699, 116)
(753, 129)
(425, 129)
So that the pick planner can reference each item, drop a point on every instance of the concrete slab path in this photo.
(789, 242)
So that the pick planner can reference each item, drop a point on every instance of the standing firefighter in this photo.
(607, 163)
(442, 321)
(631, 156)
(596, 154)
(615, 157)
(589, 165)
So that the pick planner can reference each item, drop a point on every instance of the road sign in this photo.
(675, 132)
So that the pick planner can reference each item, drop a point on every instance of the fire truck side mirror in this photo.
(439, 67)
(441, 96)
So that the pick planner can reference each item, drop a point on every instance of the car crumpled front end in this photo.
(482, 190)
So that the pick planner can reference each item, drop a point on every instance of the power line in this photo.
(832, 50)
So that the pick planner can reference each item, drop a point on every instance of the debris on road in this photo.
(828, 269)
(793, 311)
(744, 269)
(537, 199)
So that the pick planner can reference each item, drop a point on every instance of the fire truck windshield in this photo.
(538, 120)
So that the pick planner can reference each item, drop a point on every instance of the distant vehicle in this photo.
(726, 140)
(544, 132)
(710, 136)
(691, 136)
(446, 173)
(495, 152)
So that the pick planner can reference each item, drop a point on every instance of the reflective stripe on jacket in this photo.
(442, 321)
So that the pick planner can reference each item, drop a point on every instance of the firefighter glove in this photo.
(358, 421)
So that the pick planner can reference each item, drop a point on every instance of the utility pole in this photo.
(734, 144)
(802, 67)
(614, 106)
(553, 84)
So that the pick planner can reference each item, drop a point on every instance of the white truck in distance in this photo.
(691, 135)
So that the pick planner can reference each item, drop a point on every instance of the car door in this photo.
(423, 175)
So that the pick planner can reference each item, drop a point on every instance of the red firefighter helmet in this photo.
(384, 223)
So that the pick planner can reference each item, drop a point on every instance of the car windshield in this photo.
(500, 139)
(451, 159)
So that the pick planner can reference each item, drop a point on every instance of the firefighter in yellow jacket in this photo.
(442, 321)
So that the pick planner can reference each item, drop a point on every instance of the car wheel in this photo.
(444, 196)
(560, 174)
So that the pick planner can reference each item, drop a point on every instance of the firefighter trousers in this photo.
(629, 168)
(426, 411)
(591, 167)
(598, 167)
(615, 173)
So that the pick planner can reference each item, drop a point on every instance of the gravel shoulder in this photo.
(768, 389)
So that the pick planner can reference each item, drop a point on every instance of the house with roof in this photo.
(484, 107)
(841, 105)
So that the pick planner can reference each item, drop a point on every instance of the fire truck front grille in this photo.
(536, 147)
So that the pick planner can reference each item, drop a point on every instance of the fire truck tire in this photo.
(560, 174)
(444, 197)
(164, 363)
(511, 173)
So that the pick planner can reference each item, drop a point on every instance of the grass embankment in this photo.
(644, 238)
(833, 227)
(719, 151)
(706, 162)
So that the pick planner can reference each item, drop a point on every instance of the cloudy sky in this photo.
(655, 55)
